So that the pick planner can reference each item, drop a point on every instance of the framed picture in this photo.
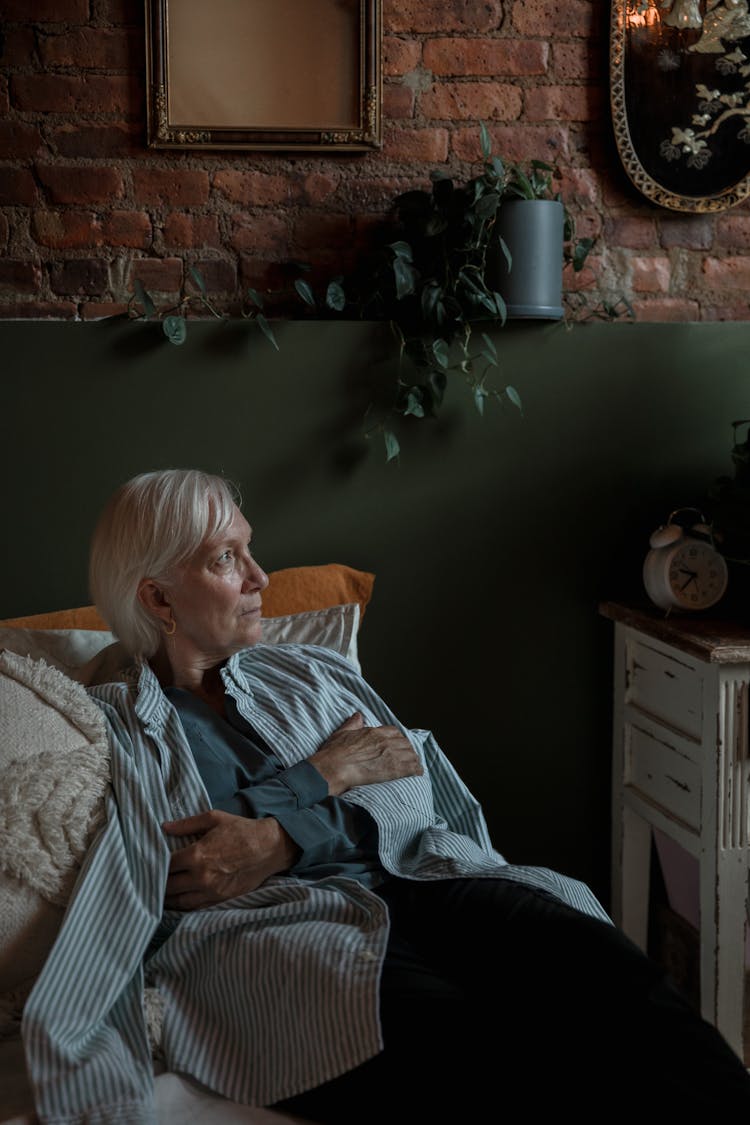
(680, 96)
(264, 74)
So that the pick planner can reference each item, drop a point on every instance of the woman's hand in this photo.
(233, 855)
(358, 755)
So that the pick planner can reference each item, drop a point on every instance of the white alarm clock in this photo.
(684, 570)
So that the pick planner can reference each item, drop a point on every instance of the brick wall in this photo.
(85, 207)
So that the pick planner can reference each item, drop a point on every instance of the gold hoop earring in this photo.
(170, 632)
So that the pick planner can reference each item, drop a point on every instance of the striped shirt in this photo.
(270, 993)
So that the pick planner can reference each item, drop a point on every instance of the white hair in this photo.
(149, 527)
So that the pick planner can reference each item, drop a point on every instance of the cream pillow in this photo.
(93, 656)
(54, 762)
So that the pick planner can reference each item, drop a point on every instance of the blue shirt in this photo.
(269, 993)
(243, 776)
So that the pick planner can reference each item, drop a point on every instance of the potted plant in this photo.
(440, 274)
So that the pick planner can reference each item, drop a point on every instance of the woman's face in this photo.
(215, 597)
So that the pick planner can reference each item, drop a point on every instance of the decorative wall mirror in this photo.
(680, 93)
(264, 74)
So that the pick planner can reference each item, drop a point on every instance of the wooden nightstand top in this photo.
(714, 639)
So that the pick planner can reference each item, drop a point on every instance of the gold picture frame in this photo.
(264, 74)
(680, 100)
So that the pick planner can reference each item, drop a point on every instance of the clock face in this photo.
(687, 575)
(697, 574)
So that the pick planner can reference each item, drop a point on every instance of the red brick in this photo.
(4, 230)
(693, 232)
(672, 309)
(100, 310)
(23, 277)
(633, 233)
(18, 140)
(66, 184)
(127, 228)
(533, 142)
(419, 16)
(91, 48)
(551, 18)
(563, 103)
(265, 238)
(118, 11)
(418, 145)
(189, 231)
(733, 230)
(178, 187)
(98, 140)
(650, 275)
(318, 187)
(219, 276)
(459, 101)
(578, 186)
(398, 102)
(17, 47)
(400, 56)
(253, 189)
(39, 310)
(314, 232)
(45, 11)
(494, 57)
(738, 311)
(80, 275)
(157, 275)
(66, 230)
(727, 273)
(63, 93)
(574, 61)
(374, 195)
(17, 187)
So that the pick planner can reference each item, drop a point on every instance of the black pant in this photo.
(496, 995)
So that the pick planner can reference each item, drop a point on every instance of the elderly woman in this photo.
(313, 890)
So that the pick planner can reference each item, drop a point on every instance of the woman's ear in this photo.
(152, 598)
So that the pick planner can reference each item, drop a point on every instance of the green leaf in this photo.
(438, 383)
(581, 253)
(305, 292)
(266, 329)
(498, 167)
(506, 253)
(514, 397)
(431, 295)
(479, 397)
(489, 351)
(255, 297)
(485, 141)
(502, 308)
(439, 350)
(402, 250)
(404, 275)
(198, 279)
(414, 406)
(487, 205)
(392, 448)
(175, 329)
(148, 305)
(335, 296)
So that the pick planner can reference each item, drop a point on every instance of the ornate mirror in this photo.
(264, 74)
(680, 93)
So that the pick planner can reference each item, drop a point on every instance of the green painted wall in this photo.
(493, 539)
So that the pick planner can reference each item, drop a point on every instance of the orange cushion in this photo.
(293, 590)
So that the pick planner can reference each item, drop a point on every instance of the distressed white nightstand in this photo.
(680, 764)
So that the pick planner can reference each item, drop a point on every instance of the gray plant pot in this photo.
(532, 229)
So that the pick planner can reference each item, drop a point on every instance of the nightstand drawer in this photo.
(657, 768)
(665, 686)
